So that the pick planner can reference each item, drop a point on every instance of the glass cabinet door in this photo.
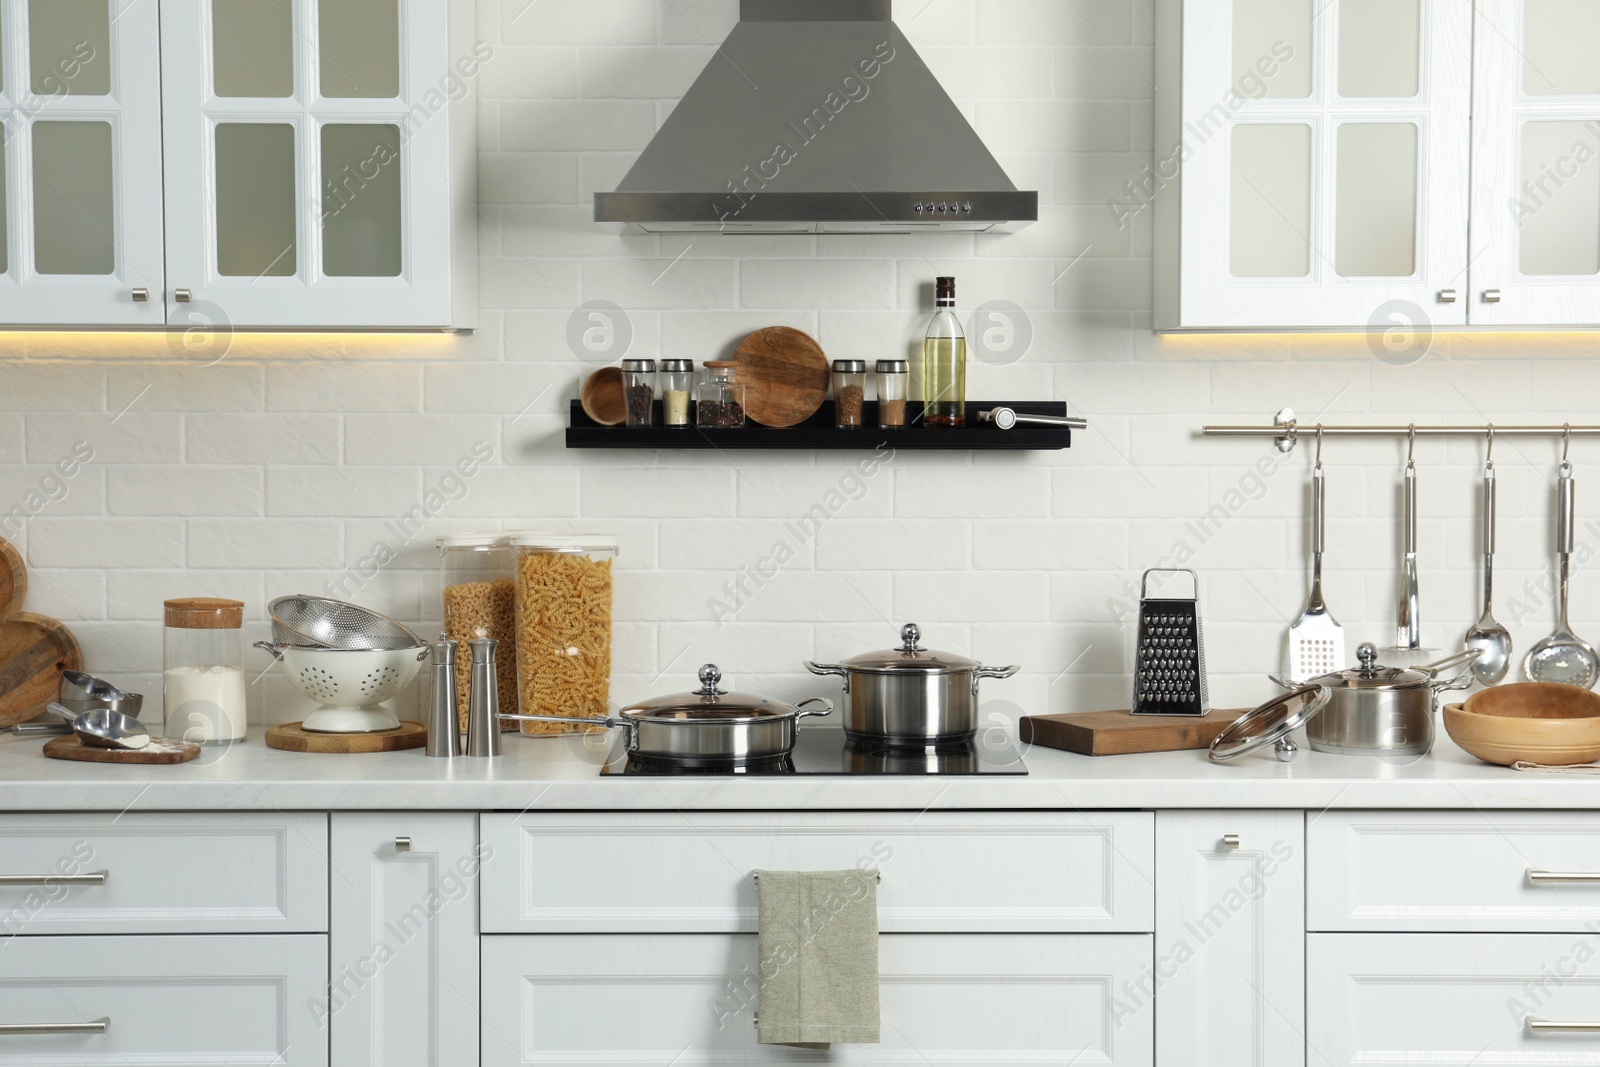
(80, 163)
(1322, 146)
(1536, 164)
(308, 150)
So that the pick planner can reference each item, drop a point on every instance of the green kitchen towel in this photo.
(819, 958)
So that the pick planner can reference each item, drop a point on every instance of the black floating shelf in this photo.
(819, 432)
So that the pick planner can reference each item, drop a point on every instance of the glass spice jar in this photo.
(719, 398)
(677, 382)
(894, 377)
(849, 392)
(639, 391)
(203, 670)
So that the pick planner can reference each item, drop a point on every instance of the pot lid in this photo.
(1372, 675)
(709, 704)
(1270, 722)
(911, 656)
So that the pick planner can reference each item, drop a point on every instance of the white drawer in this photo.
(1453, 871)
(198, 1001)
(690, 1000)
(1401, 1000)
(941, 871)
(246, 872)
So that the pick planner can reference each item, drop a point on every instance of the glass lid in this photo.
(911, 656)
(708, 704)
(1270, 723)
(1372, 675)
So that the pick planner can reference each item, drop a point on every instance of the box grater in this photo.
(1169, 670)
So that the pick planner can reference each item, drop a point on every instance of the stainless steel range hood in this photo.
(817, 116)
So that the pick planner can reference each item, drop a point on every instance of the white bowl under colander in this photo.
(350, 685)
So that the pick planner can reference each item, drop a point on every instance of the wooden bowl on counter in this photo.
(1532, 722)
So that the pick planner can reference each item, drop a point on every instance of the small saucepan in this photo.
(1381, 711)
(706, 726)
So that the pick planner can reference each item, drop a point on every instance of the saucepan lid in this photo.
(1270, 722)
(911, 656)
(710, 704)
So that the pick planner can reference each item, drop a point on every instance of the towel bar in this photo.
(877, 876)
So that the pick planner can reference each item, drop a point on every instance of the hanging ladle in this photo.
(1492, 640)
(1564, 656)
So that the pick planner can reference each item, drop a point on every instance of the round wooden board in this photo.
(291, 738)
(602, 397)
(785, 376)
(34, 650)
(13, 579)
(161, 750)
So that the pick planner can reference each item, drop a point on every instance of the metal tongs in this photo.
(1008, 418)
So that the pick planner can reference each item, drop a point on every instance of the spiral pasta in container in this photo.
(479, 600)
(563, 616)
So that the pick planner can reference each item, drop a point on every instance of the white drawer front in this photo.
(197, 1001)
(1401, 1000)
(689, 872)
(1453, 871)
(963, 1000)
(245, 872)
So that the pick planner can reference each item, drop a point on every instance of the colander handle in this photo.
(268, 646)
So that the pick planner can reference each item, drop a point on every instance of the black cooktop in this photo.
(828, 751)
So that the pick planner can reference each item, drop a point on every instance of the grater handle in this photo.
(1144, 584)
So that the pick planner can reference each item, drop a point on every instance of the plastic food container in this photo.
(563, 639)
(480, 582)
(203, 679)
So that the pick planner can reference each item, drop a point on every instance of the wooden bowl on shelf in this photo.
(1532, 722)
(603, 398)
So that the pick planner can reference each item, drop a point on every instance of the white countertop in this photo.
(559, 774)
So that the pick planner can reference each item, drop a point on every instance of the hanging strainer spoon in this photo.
(1564, 656)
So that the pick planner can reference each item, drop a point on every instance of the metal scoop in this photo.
(1564, 656)
(104, 728)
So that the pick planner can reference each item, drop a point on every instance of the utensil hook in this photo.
(1488, 458)
(1566, 446)
(1319, 446)
(1411, 447)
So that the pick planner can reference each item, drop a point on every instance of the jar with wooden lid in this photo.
(563, 626)
(480, 591)
(204, 683)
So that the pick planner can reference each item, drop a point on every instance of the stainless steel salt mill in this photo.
(444, 728)
(483, 701)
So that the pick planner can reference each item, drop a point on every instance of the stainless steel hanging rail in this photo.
(1287, 430)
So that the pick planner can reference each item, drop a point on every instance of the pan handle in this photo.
(1291, 686)
(997, 672)
(827, 709)
(628, 725)
(1433, 670)
(830, 668)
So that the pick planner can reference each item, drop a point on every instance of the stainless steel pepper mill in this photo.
(483, 701)
(444, 727)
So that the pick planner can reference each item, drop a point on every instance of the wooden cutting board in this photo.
(13, 579)
(1118, 733)
(785, 376)
(160, 750)
(34, 650)
(291, 738)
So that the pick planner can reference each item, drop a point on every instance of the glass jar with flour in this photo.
(204, 679)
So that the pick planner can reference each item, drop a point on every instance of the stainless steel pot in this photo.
(707, 726)
(1380, 711)
(909, 695)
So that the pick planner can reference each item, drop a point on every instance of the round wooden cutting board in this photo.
(34, 650)
(13, 579)
(160, 750)
(785, 376)
(291, 738)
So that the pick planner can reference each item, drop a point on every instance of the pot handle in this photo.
(997, 672)
(1433, 670)
(628, 725)
(830, 668)
(827, 709)
(1291, 686)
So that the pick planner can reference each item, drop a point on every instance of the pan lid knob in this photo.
(709, 677)
(910, 633)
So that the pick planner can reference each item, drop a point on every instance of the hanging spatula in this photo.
(1316, 640)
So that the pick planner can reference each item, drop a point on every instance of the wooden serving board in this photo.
(785, 376)
(291, 738)
(13, 579)
(34, 650)
(1119, 733)
(160, 750)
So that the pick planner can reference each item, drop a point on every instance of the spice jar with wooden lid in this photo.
(203, 678)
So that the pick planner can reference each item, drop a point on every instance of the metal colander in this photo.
(322, 622)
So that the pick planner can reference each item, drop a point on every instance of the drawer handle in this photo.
(94, 878)
(1545, 1026)
(99, 1026)
(1560, 877)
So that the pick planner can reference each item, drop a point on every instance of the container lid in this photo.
(1270, 722)
(711, 705)
(204, 613)
(566, 542)
(677, 364)
(1371, 675)
(911, 657)
(638, 366)
(488, 540)
(893, 366)
(850, 366)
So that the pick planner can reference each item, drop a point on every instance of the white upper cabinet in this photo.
(319, 162)
(80, 163)
(1312, 162)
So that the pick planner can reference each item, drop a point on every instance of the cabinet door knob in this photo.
(1491, 296)
(182, 296)
(1447, 296)
(1230, 842)
(402, 844)
(140, 295)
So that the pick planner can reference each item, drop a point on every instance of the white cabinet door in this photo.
(318, 162)
(1230, 939)
(1536, 164)
(209, 1001)
(957, 1000)
(1311, 169)
(80, 163)
(1400, 1000)
(404, 939)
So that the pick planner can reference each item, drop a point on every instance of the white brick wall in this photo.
(227, 480)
